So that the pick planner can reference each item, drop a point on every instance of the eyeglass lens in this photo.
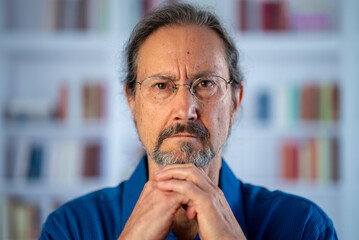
(208, 89)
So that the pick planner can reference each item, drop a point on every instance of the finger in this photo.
(171, 166)
(188, 172)
(191, 212)
(186, 188)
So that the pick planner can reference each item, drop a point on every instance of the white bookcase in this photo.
(35, 61)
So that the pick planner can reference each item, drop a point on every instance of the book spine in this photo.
(92, 160)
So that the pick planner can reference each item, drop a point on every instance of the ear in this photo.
(238, 100)
(130, 101)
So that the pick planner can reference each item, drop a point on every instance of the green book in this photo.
(326, 103)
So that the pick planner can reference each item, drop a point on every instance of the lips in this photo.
(184, 135)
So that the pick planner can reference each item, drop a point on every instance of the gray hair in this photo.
(178, 14)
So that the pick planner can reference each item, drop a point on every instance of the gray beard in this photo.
(186, 154)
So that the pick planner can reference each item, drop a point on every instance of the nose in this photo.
(184, 104)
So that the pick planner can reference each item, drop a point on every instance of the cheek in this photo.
(219, 119)
(148, 124)
(224, 117)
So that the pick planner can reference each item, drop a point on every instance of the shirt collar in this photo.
(228, 183)
(232, 190)
(132, 189)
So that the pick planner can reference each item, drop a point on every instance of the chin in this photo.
(186, 154)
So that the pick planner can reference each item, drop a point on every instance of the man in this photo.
(184, 88)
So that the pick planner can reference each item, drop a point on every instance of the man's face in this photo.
(182, 128)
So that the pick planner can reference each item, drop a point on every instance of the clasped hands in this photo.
(176, 186)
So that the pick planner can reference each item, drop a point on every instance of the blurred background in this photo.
(65, 128)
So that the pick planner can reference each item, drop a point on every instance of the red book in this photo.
(243, 8)
(294, 161)
(92, 160)
(290, 160)
(305, 103)
(62, 104)
(285, 156)
(273, 15)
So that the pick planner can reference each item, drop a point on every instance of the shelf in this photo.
(311, 190)
(42, 188)
(288, 43)
(50, 129)
(69, 41)
(255, 128)
(319, 188)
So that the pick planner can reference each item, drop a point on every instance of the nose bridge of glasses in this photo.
(188, 85)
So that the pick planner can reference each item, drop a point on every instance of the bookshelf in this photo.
(36, 61)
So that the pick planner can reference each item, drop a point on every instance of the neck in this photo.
(182, 226)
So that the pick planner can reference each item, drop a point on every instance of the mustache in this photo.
(193, 128)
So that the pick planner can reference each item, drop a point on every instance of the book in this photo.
(336, 102)
(326, 103)
(294, 104)
(65, 161)
(4, 223)
(284, 15)
(305, 102)
(92, 160)
(62, 102)
(35, 158)
(290, 160)
(310, 102)
(264, 106)
(93, 101)
(313, 146)
(334, 161)
(304, 160)
(249, 15)
(82, 21)
(313, 15)
(324, 158)
(273, 15)
(23, 219)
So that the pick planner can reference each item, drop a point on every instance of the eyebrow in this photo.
(204, 74)
(192, 77)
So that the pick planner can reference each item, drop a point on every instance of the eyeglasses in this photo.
(160, 89)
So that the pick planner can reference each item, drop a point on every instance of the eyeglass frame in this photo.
(189, 85)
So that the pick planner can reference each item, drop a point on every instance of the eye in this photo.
(161, 85)
(206, 84)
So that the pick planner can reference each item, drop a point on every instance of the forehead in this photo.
(182, 49)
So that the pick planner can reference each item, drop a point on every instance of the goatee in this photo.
(186, 152)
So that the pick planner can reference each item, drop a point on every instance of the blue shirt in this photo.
(262, 214)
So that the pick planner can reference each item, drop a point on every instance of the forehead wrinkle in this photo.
(176, 63)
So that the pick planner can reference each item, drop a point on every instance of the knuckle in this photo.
(193, 170)
(213, 199)
(220, 193)
(150, 185)
(187, 185)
